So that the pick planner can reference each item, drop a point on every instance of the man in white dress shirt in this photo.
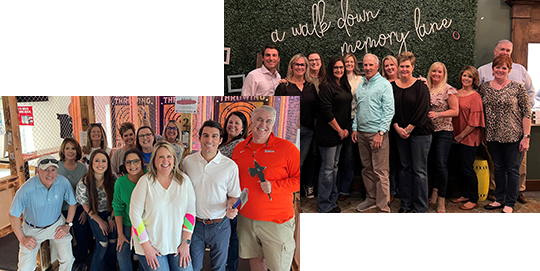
(264, 80)
(517, 74)
(217, 187)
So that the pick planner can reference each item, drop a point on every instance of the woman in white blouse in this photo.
(162, 212)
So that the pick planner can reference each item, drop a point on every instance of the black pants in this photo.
(468, 183)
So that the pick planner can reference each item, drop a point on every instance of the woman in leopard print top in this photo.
(508, 123)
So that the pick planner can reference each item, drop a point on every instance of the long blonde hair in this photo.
(307, 74)
(442, 85)
(88, 147)
(176, 171)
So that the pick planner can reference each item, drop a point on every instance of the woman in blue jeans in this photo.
(331, 128)
(444, 106)
(133, 170)
(508, 124)
(414, 129)
(95, 194)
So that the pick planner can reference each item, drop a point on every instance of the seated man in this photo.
(40, 200)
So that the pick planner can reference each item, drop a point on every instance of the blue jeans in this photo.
(306, 136)
(413, 184)
(80, 232)
(506, 161)
(166, 263)
(104, 257)
(347, 169)
(125, 254)
(232, 258)
(440, 148)
(217, 239)
(328, 192)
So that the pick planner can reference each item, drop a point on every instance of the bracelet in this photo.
(437, 114)
(110, 218)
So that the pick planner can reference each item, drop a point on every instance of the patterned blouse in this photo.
(505, 110)
(439, 103)
(228, 149)
(82, 196)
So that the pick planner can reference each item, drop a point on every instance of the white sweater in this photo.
(159, 216)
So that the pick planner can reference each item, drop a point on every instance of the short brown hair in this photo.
(406, 56)
(77, 148)
(503, 60)
(473, 72)
(126, 126)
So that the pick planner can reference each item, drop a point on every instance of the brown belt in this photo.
(208, 221)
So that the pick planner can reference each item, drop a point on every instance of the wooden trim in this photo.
(533, 185)
(11, 118)
(5, 231)
(525, 27)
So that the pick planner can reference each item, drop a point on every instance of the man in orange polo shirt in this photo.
(270, 168)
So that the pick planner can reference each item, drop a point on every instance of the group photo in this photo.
(156, 183)
(402, 128)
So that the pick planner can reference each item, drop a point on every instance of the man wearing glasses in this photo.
(40, 200)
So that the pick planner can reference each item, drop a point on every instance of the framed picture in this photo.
(236, 82)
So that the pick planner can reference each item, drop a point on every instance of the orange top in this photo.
(281, 160)
(471, 113)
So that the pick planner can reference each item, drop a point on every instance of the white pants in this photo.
(27, 258)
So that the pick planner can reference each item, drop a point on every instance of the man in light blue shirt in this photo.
(374, 112)
(40, 200)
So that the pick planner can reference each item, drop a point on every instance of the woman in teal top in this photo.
(69, 167)
(133, 161)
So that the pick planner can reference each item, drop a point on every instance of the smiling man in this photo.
(215, 180)
(375, 109)
(264, 80)
(270, 168)
(40, 200)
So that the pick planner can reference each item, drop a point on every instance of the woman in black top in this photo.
(300, 83)
(332, 127)
(414, 129)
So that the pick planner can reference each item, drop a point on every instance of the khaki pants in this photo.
(27, 258)
(376, 169)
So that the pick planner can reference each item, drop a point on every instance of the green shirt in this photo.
(74, 176)
(121, 198)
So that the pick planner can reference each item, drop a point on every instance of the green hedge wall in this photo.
(250, 24)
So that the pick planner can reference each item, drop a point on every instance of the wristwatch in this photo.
(70, 224)
(187, 241)
(381, 133)
(527, 136)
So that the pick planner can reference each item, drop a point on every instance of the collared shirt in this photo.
(517, 74)
(261, 82)
(40, 206)
(213, 183)
(281, 160)
(374, 105)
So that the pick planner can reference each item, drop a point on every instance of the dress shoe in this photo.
(463, 207)
(342, 197)
(521, 198)
(490, 207)
(336, 210)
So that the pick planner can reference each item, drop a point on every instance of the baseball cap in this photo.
(46, 161)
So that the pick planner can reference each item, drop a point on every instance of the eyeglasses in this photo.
(314, 60)
(46, 161)
(339, 67)
(172, 128)
(301, 65)
(146, 135)
(134, 161)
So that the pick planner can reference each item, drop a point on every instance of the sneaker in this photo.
(309, 191)
(365, 205)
